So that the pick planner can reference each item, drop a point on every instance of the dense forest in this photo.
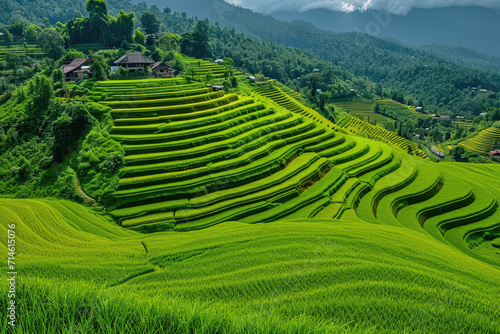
(442, 86)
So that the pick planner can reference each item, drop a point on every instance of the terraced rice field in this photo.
(359, 127)
(361, 237)
(484, 142)
(32, 51)
(287, 101)
(292, 276)
(363, 111)
(196, 158)
(202, 67)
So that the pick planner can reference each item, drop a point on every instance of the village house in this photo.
(134, 62)
(78, 69)
(162, 70)
(495, 154)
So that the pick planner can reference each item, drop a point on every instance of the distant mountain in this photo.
(464, 57)
(472, 27)
(442, 85)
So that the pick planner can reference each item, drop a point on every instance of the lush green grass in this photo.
(317, 276)
(191, 164)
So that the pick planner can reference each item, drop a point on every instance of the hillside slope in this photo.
(441, 85)
(315, 276)
(197, 157)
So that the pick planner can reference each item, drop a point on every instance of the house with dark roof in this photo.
(78, 69)
(162, 70)
(134, 62)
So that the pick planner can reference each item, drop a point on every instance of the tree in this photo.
(32, 31)
(169, 42)
(314, 79)
(457, 153)
(97, 70)
(228, 62)
(52, 43)
(150, 23)
(98, 7)
(17, 25)
(41, 92)
(379, 89)
(58, 78)
(167, 11)
(13, 61)
(7, 36)
(197, 43)
(139, 37)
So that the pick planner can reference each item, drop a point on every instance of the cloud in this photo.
(400, 7)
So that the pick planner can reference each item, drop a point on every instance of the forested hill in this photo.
(50, 11)
(442, 85)
(464, 57)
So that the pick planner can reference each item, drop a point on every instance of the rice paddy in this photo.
(291, 276)
(237, 215)
(484, 142)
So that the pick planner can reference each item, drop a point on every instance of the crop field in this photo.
(288, 102)
(363, 111)
(239, 214)
(196, 158)
(484, 142)
(32, 51)
(359, 127)
(202, 67)
(292, 276)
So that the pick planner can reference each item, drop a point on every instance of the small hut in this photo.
(162, 70)
(134, 62)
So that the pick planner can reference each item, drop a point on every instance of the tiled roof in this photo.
(133, 58)
(158, 63)
(75, 64)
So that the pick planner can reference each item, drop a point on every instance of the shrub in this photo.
(487, 236)
(97, 110)
(112, 164)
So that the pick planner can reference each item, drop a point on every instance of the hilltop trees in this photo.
(197, 43)
(100, 26)
(52, 43)
(150, 23)
(32, 31)
(7, 36)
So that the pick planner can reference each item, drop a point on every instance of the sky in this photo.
(399, 7)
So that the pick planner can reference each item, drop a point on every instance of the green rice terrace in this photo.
(363, 111)
(196, 158)
(484, 142)
(255, 214)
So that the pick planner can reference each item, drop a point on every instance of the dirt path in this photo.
(88, 199)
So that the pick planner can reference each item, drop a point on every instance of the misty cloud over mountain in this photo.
(400, 7)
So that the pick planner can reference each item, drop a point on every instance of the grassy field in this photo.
(314, 276)
(359, 236)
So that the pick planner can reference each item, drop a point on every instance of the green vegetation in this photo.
(484, 142)
(289, 276)
(364, 111)
(178, 175)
